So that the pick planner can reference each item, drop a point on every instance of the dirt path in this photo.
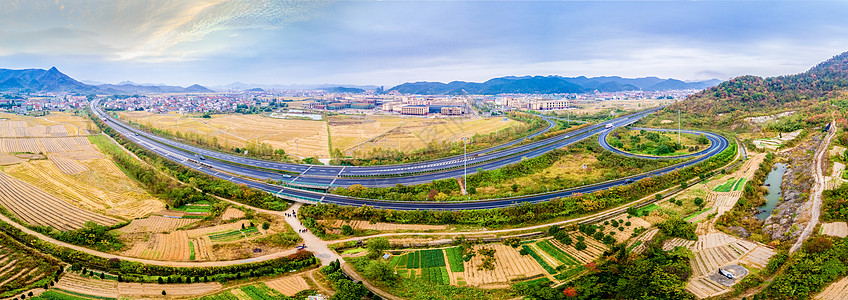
(313, 243)
(146, 261)
(816, 195)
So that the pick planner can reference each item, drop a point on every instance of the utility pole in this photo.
(465, 164)
(678, 123)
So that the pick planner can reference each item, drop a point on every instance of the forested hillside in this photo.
(749, 94)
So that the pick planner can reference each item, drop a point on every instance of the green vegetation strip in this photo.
(557, 253)
(455, 259)
(647, 209)
(191, 249)
(692, 216)
(539, 260)
(739, 185)
(726, 187)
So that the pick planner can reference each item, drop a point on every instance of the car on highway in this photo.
(609, 125)
(200, 157)
(287, 176)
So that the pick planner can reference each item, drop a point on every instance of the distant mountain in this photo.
(341, 89)
(746, 94)
(246, 86)
(150, 89)
(39, 80)
(549, 85)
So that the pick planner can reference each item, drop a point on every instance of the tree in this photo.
(347, 230)
(699, 201)
(376, 246)
(160, 281)
(381, 271)
(580, 246)
(348, 290)
(266, 225)
(163, 293)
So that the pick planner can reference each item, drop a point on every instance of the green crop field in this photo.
(455, 259)
(191, 248)
(557, 253)
(425, 259)
(648, 209)
(254, 292)
(726, 187)
(540, 260)
(739, 185)
(233, 235)
(435, 275)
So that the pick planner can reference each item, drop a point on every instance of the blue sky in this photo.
(214, 42)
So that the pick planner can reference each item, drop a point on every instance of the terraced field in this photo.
(37, 207)
(75, 283)
(509, 265)
(716, 250)
(156, 224)
(232, 213)
(835, 291)
(103, 189)
(251, 292)
(289, 285)
(175, 245)
(839, 229)
(22, 268)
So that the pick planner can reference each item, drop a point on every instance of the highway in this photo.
(715, 143)
(227, 171)
(332, 176)
(305, 170)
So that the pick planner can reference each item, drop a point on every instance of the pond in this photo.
(773, 180)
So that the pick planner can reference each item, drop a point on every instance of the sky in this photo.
(217, 42)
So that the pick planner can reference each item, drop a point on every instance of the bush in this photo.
(676, 227)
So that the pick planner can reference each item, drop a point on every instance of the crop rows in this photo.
(234, 234)
(56, 295)
(289, 285)
(455, 259)
(739, 184)
(20, 269)
(44, 145)
(435, 275)
(67, 165)
(557, 253)
(725, 187)
(37, 207)
(509, 265)
(22, 129)
(156, 224)
(539, 260)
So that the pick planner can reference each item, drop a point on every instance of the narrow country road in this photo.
(818, 188)
(312, 242)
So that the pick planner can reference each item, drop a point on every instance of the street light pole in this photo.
(465, 164)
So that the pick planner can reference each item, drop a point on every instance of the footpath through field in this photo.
(816, 195)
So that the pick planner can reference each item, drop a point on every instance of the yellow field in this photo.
(363, 133)
(588, 107)
(349, 133)
(103, 188)
(235, 130)
(75, 125)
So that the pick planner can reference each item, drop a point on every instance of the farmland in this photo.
(352, 134)
(155, 224)
(103, 188)
(164, 244)
(308, 138)
(236, 130)
(250, 292)
(37, 207)
(288, 285)
(382, 226)
(22, 267)
(92, 286)
(839, 229)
